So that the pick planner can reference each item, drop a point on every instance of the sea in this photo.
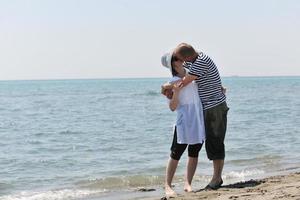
(110, 138)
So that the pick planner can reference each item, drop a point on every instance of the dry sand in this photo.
(276, 187)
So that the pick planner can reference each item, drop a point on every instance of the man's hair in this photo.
(185, 50)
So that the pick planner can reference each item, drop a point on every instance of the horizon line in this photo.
(112, 78)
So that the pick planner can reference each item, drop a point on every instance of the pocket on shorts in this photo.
(216, 121)
(226, 109)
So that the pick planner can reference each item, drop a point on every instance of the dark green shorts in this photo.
(215, 128)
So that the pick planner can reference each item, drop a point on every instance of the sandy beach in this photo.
(275, 187)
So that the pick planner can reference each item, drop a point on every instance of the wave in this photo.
(111, 183)
(152, 93)
(260, 159)
(64, 194)
(241, 175)
(136, 181)
(96, 187)
(68, 132)
(4, 187)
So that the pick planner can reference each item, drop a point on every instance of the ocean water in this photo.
(104, 139)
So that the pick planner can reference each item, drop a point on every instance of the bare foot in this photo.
(187, 187)
(170, 192)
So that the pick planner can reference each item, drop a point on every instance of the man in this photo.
(204, 72)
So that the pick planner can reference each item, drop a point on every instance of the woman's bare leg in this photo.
(190, 171)
(170, 171)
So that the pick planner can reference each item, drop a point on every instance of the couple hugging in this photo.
(196, 93)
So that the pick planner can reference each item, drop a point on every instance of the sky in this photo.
(72, 39)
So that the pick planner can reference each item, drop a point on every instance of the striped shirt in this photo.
(208, 81)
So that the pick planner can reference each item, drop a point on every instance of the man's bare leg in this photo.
(218, 168)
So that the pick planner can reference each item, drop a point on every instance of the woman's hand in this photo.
(169, 93)
(166, 86)
(170, 86)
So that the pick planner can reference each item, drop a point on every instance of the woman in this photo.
(189, 128)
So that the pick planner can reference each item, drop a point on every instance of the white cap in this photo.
(166, 61)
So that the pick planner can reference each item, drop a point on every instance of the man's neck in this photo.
(192, 58)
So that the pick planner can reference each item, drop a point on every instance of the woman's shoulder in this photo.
(174, 79)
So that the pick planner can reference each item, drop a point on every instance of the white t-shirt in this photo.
(190, 119)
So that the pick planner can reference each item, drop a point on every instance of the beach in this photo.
(274, 187)
(83, 115)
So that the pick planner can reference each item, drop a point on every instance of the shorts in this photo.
(215, 120)
(178, 149)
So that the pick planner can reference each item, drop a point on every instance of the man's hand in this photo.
(223, 89)
(177, 87)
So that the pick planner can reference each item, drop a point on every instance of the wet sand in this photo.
(275, 187)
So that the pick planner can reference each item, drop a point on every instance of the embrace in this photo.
(195, 91)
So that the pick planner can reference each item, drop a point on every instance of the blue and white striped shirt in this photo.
(208, 81)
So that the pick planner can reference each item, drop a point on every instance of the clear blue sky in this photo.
(53, 39)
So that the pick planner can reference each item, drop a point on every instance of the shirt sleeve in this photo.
(198, 68)
(187, 64)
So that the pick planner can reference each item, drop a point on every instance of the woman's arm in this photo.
(174, 101)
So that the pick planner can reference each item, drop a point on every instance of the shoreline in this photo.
(280, 186)
(273, 187)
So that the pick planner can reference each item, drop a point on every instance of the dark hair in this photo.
(185, 50)
(173, 59)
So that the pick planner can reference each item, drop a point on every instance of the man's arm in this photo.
(184, 81)
(188, 79)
